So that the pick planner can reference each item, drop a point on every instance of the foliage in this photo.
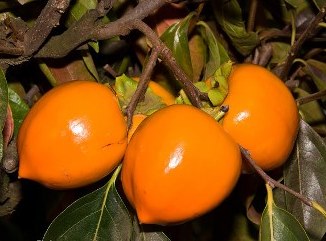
(93, 40)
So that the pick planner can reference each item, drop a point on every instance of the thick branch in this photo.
(46, 21)
(88, 28)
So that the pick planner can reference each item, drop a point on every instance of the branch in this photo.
(270, 181)
(46, 21)
(298, 44)
(165, 53)
(89, 28)
(142, 85)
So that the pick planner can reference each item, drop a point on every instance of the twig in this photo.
(142, 85)
(311, 97)
(273, 183)
(298, 44)
(46, 21)
(165, 53)
(252, 15)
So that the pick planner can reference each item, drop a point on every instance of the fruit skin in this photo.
(178, 165)
(262, 117)
(73, 136)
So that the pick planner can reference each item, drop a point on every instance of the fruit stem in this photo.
(221, 113)
(273, 183)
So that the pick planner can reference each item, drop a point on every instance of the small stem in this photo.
(110, 70)
(142, 85)
(270, 181)
(252, 15)
(221, 113)
(312, 97)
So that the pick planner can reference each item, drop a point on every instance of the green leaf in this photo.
(78, 9)
(228, 14)
(317, 71)
(305, 173)
(3, 106)
(279, 225)
(89, 63)
(311, 112)
(19, 109)
(217, 55)
(125, 88)
(176, 38)
(319, 3)
(100, 215)
(280, 51)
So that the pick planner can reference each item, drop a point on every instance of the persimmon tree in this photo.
(178, 44)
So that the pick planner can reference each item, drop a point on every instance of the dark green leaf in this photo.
(319, 3)
(19, 109)
(217, 55)
(176, 38)
(89, 63)
(312, 112)
(228, 14)
(279, 225)
(100, 215)
(317, 71)
(280, 52)
(305, 173)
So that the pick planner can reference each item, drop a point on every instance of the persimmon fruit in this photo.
(73, 136)
(178, 165)
(263, 116)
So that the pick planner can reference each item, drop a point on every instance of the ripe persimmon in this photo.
(263, 116)
(178, 165)
(74, 135)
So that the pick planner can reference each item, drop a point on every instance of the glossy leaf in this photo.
(217, 55)
(100, 215)
(176, 38)
(305, 173)
(279, 225)
(19, 109)
(229, 16)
